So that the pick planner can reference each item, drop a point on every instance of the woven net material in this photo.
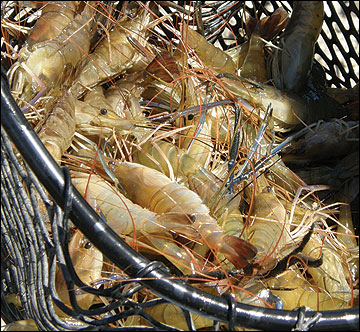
(30, 255)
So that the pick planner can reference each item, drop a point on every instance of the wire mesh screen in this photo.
(54, 278)
(30, 256)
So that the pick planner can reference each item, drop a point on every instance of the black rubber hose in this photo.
(157, 279)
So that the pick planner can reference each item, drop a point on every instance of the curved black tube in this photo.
(157, 278)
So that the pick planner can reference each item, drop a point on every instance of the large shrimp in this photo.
(115, 54)
(153, 190)
(291, 66)
(175, 162)
(55, 16)
(125, 217)
(88, 262)
(174, 316)
(332, 274)
(51, 63)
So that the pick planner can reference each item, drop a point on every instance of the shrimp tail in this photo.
(238, 251)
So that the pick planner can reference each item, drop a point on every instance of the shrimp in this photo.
(55, 16)
(295, 291)
(51, 63)
(332, 274)
(254, 63)
(125, 217)
(197, 178)
(346, 235)
(211, 56)
(291, 66)
(95, 116)
(88, 262)
(124, 97)
(289, 110)
(21, 325)
(269, 230)
(58, 130)
(153, 190)
(327, 140)
(113, 56)
(345, 169)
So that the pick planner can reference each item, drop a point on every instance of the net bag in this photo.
(39, 205)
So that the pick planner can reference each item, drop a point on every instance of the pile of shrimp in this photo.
(234, 163)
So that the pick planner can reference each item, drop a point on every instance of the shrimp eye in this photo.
(268, 189)
(190, 117)
(103, 111)
(87, 245)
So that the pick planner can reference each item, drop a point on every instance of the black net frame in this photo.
(28, 260)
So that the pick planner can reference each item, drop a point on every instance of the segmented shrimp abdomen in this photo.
(58, 130)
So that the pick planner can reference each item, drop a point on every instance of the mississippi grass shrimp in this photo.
(291, 66)
(87, 261)
(115, 54)
(125, 217)
(51, 63)
(190, 217)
